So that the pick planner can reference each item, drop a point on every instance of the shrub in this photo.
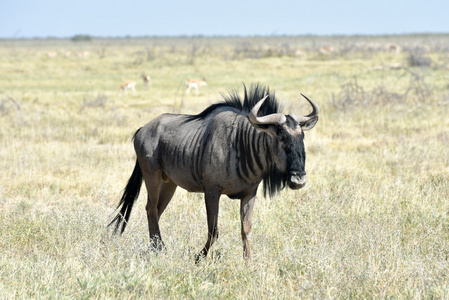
(81, 38)
(418, 61)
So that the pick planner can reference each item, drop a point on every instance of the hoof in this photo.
(157, 245)
(200, 256)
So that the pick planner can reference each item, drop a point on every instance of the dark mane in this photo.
(251, 97)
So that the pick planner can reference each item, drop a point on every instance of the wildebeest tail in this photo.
(130, 195)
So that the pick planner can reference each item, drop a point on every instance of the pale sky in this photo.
(113, 18)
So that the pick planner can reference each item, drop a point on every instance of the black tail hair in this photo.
(130, 195)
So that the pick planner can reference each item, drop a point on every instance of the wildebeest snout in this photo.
(297, 180)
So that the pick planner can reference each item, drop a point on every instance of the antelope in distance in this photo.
(128, 85)
(83, 54)
(52, 54)
(393, 48)
(298, 52)
(228, 149)
(146, 79)
(194, 84)
(326, 50)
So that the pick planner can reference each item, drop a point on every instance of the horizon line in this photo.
(50, 37)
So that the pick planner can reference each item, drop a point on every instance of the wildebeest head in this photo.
(288, 131)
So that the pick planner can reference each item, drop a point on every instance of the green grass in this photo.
(372, 221)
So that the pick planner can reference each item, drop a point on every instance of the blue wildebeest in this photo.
(229, 148)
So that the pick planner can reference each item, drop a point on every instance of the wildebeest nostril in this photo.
(298, 174)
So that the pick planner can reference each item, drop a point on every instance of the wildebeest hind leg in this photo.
(153, 182)
(212, 204)
(165, 195)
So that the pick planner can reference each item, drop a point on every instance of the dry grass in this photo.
(372, 222)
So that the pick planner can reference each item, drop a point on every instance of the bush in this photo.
(419, 61)
(81, 38)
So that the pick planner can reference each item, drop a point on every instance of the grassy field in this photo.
(372, 222)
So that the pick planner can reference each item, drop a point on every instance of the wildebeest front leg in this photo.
(212, 204)
(246, 214)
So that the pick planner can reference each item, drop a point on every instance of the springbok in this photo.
(83, 54)
(128, 85)
(396, 49)
(52, 54)
(326, 50)
(194, 84)
(146, 79)
(298, 52)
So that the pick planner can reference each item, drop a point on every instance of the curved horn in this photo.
(313, 114)
(277, 119)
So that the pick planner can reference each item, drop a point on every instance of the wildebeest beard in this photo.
(274, 181)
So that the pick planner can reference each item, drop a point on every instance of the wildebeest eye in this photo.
(285, 140)
(280, 132)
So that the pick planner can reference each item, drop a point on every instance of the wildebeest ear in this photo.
(309, 124)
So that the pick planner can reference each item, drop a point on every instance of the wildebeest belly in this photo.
(185, 180)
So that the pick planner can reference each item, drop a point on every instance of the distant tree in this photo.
(81, 38)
